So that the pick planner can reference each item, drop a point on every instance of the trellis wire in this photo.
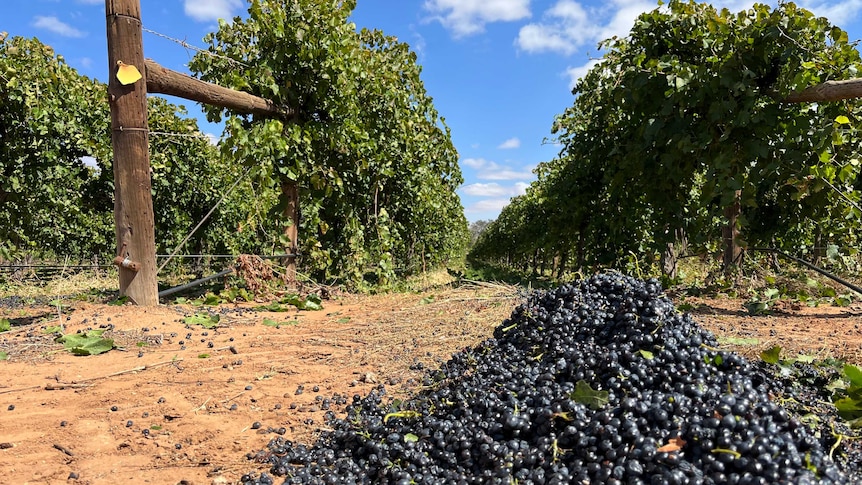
(186, 45)
(188, 135)
(208, 214)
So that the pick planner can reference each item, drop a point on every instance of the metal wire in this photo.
(186, 45)
(224, 196)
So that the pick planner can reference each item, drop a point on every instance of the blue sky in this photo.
(498, 70)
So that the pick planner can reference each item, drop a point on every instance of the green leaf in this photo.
(310, 304)
(5, 325)
(836, 386)
(741, 341)
(757, 307)
(411, 438)
(589, 397)
(406, 414)
(272, 323)
(88, 343)
(343, 320)
(849, 408)
(4, 355)
(805, 359)
(203, 356)
(853, 374)
(771, 356)
(646, 354)
(205, 320)
(842, 120)
(272, 307)
(53, 329)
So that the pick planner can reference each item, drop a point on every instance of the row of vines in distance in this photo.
(679, 136)
(374, 161)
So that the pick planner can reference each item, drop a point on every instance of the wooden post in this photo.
(133, 203)
(165, 81)
(290, 191)
(730, 234)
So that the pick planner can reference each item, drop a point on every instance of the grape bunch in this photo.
(597, 381)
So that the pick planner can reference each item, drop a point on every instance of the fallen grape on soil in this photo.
(598, 381)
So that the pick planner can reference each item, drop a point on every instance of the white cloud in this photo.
(521, 188)
(487, 205)
(494, 189)
(86, 62)
(505, 174)
(623, 18)
(212, 139)
(509, 144)
(467, 17)
(568, 25)
(487, 170)
(418, 45)
(542, 38)
(484, 190)
(475, 162)
(836, 12)
(55, 25)
(575, 73)
(208, 10)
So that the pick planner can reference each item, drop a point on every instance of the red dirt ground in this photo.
(56, 410)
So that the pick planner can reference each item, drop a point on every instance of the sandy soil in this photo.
(179, 404)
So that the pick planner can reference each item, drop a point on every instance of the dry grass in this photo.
(63, 284)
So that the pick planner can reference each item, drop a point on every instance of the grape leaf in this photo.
(771, 356)
(272, 323)
(589, 397)
(411, 438)
(88, 343)
(4, 356)
(310, 304)
(849, 408)
(5, 325)
(646, 354)
(203, 319)
(854, 374)
(119, 301)
(272, 307)
(805, 359)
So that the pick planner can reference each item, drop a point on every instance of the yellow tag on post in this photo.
(127, 74)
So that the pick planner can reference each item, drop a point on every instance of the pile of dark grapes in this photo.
(598, 381)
